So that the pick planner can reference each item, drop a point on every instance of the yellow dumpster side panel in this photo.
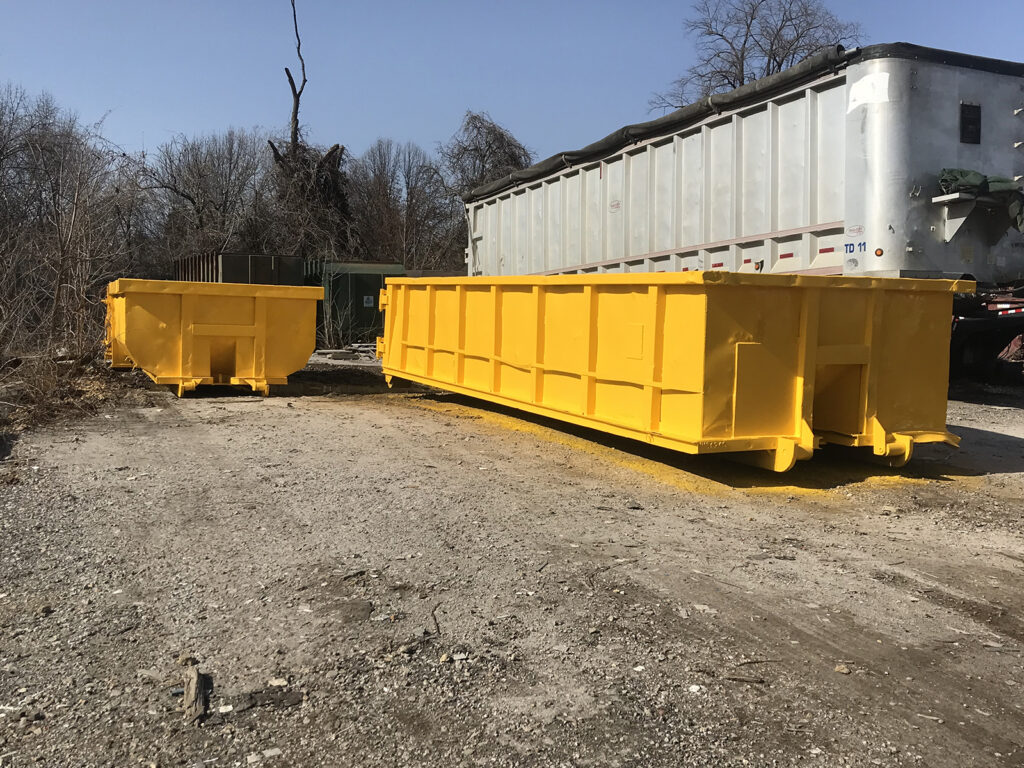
(920, 352)
(115, 351)
(768, 365)
(187, 334)
(683, 316)
(291, 334)
(750, 389)
(562, 387)
(152, 332)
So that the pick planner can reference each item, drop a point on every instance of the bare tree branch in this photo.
(482, 151)
(739, 41)
(296, 92)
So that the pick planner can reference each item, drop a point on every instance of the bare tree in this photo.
(433, 236)
(296, 92)
(59, 238)
(311, 185)
(739, 41)
(402, 210)
(377, 202)
(481, 151)
(69, 220)
(211, 192)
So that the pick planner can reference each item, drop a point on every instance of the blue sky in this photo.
(557, 74)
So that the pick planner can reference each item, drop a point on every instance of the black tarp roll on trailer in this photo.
(826, 60)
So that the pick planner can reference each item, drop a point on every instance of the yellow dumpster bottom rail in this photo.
(186, 334)
(768, 366)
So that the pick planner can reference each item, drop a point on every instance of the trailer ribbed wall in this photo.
(834, 174)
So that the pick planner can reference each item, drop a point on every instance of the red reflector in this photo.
(785, 255)
(826, 250)
(685, 269)
(718, 264)
(746, 261)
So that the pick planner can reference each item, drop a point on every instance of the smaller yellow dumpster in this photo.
(185, 334)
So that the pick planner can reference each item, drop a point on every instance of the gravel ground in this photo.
(374, 577)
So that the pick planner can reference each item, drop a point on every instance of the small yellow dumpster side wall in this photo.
(187, 334)
(291, 335)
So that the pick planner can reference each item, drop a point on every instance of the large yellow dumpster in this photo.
(702, 362)
(186, 334)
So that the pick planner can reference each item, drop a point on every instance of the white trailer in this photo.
(830, 167)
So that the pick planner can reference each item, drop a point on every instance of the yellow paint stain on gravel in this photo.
(723, 479)
(664, 473)
(897, 481)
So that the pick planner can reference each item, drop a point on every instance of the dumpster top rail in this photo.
(134, 285)
(705, 278)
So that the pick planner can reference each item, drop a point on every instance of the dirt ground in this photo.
(375, 577)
